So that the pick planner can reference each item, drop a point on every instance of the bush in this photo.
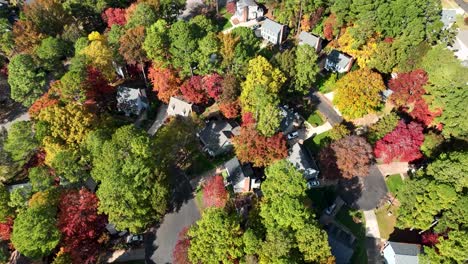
(315, 119)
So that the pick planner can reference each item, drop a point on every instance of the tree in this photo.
(306, 68)
(338, 132)
(142, 15)
(250, 146)
(353, 156)
(165, 82)
(99, 54)
(230, 109)
(358, 93)
(131, 45)
(228, 43)
(401, 144)
(25, 79)
(68, 165)
(180, 253)
(35, 233)
(21, 143)
(80, 224)
(286, 62)
(230, 89)
(48, 15)
(449, 250)
(193, 90)
(216, 237)
(453, 117)
(384, 125)
(449, 168)
(51, 51)
(245, 50)
(71, 86)
(429, 238)
(156, 43)
(6, 227)
(114, 16)
(19, 198)
(98, 89)
(430, 146)
(5, 209)
(129, 176)
(62, 257)
(207, 54)
(421, 200)
(68, 124)
(408, 87)
(40, 179)
(214, 193)
(26, 36)
(213, 85)
(48, 99)
(183, 46)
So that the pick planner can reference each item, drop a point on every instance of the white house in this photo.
(272, 31)
(338, 62)
(248, 10)
(179, 107)
(401, 253)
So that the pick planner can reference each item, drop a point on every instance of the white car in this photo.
(313, 183)
(293, 135)
(330, 209)
(134, 239)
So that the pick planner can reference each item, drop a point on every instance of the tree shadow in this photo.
(350, 190)
(180, 189)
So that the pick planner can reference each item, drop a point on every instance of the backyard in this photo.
(394, 183)
(315, 119)
(317, 142)
(386, 218)
(354, 221)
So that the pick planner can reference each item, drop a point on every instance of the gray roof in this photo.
(217, 134)
(238, 174)
(299, 157)
(272, 26)
(405, 248)
(13, 187)
(178, 107)
(449, 16)
(339, 59)
(309, 39)
(242, 3)
(131, 100)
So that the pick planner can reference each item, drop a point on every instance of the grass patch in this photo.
(461, 23)
(326, 84)
(321, 198)
(199, 199)
(200, 164)
(315, 119)
(386, 222)
(394, 183)
(225, 22)
(316, 143)
(346, 218)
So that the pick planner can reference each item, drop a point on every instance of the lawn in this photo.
(321, 198)
(199, 199)
(317, 142)
(315, 119)
(345, 217)
(394, 183)
(460, 23)
(202, 163)
(224, 22)
(386, 222)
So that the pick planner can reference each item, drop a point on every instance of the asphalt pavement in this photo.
(326, 108)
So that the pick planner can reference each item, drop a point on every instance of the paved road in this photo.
(23, 117)
(463, 5)
(159, 121)
(326, 108)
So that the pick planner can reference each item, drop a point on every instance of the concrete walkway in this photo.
(393, 168)
(311, 131)
(160, 118)
(372, 226)
(127, 255)
(373, 239)
(250, 23)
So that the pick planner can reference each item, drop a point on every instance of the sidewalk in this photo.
(372, 226)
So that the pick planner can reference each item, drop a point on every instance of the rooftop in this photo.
(299, 157)
(271, 26)
(178, 107)
(217, 134)
(309, 39)
(338, 59)
(239, 176)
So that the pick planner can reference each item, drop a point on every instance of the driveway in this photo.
(367, 193)
(326, 108)
(159, 121)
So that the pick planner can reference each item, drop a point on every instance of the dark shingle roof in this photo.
(238, 174)
(217, 134)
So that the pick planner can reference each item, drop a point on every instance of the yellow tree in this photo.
(99, 54)
(228, 44)
(358, 93)
(362, 54)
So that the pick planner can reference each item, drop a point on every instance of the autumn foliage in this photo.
(180, 253)
(98, 89)
(165, 82)
(114, 16)
(5, 229)
(328, 28)
(214, 192)
(262, 151)
(430, 239)
(402, 144)
(212, 84)
(80, 224)
(193, 90)
(50, 98)
(230, 109)
(231, 7)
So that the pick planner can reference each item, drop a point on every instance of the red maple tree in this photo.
(401, 144)
(114, 16)
(50, 98)
(80, 224)
(248, 119)
(165, 82)
(214, 192)
(180, 253)
(328, 28)
(422, 114)
(430, 239)
(213, 85)
(262, 151)
(230, 109)
(408, 87)
(193, 90)
(98, 90)
(6, 228)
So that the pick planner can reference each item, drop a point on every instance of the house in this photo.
(448, 17)
(248, 10)
(301, 159)
(272, 31)
(338, 62)
(179, 107)
(240, 176)
(311, 40)
(291, 120)
(216, 136)
(26, 187)
(131, 100)
(401, 253)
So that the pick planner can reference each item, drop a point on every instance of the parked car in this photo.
(313, 183)
(293, 135)
(330, 209)
(257, 26)
(132, 239)
(260, 18)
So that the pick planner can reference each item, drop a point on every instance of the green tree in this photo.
(143, 15)
(5, 209)
(156, 42)
(35, 233)
(50, 52)
(449, 250)
(183, 46)
(453, 118)
(338, 132)
(40, 179)
(431, 143)
(456, 218)
(384, 126)
(245, 49)
(215, 238)
(208, 56)
(21, 142)
(286, 62)
(69, 165)
(306, 68)
(19, 198)
(421, 200)
(25, 79)
(450, 168)
(358, 93)
(132, 191)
